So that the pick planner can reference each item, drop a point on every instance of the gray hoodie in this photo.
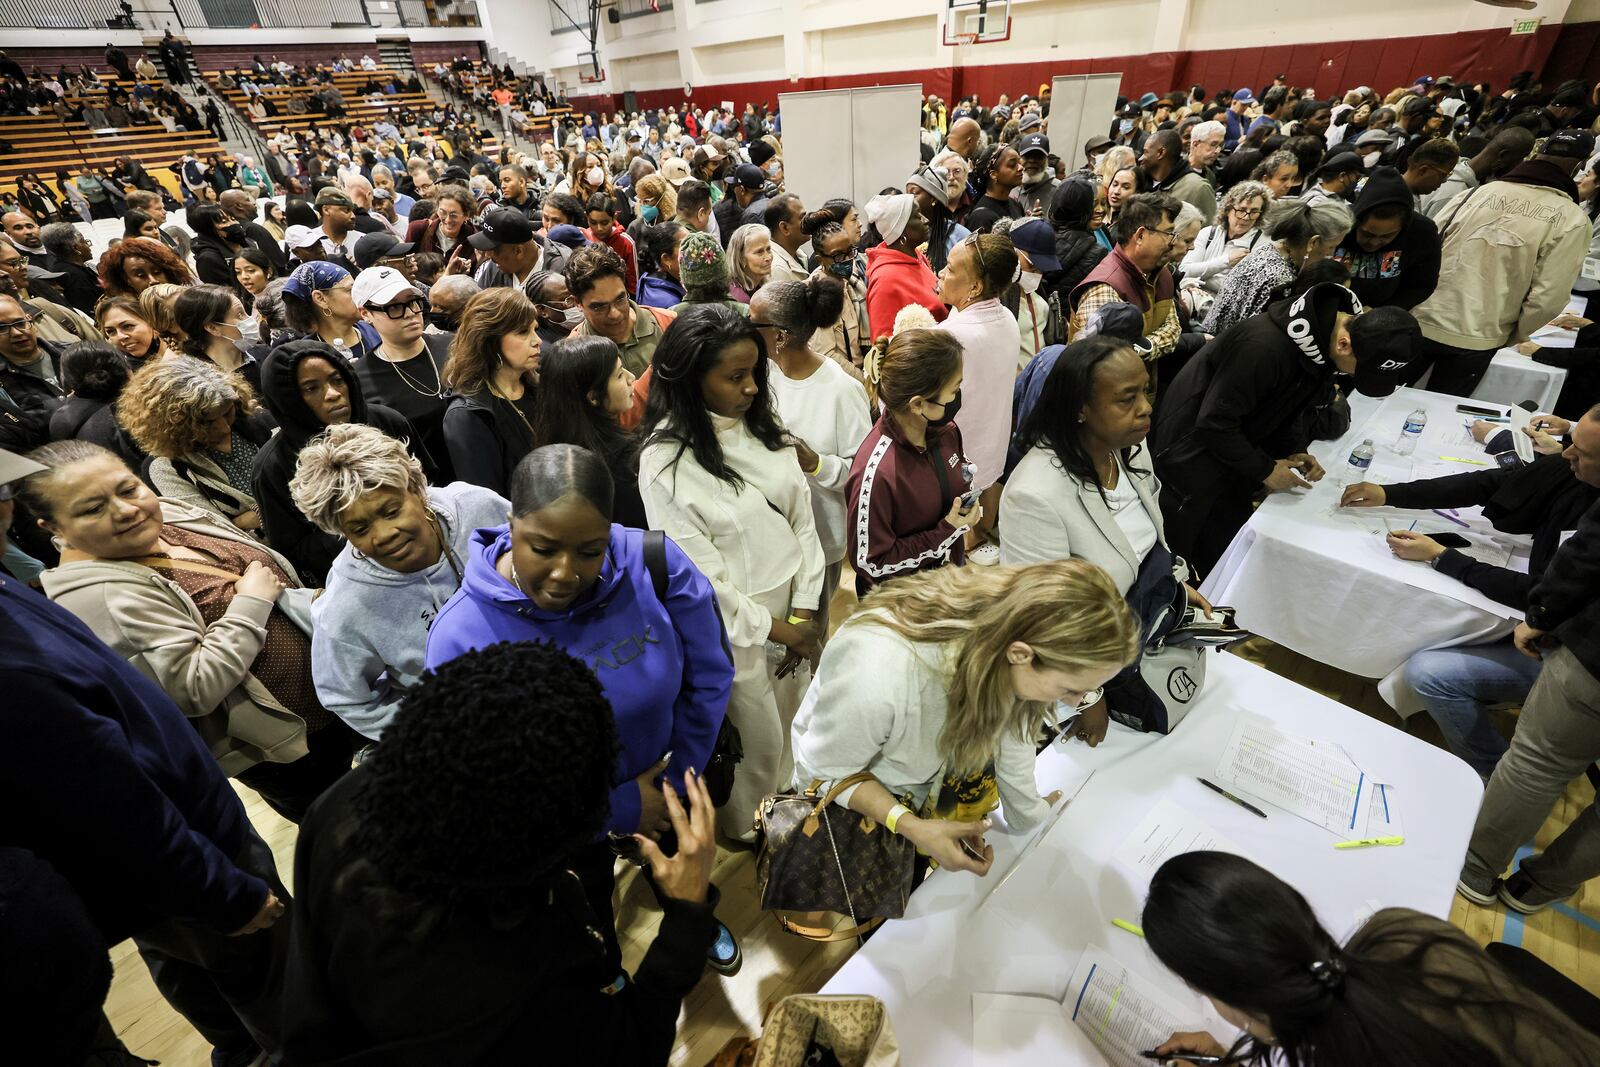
(370, 626)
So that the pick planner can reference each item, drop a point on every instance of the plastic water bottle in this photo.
(1360, 463)
(1416, 422)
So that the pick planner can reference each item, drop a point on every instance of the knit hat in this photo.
(702, 265)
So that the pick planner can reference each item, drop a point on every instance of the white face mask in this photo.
(249, 333)
(1029, 281)
(595, 176)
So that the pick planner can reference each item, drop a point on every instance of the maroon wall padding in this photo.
(425, 53)
(1492, 56)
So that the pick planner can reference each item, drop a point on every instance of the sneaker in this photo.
(724, 956)
(1515, 891)
(985, 555)
(1482, 898)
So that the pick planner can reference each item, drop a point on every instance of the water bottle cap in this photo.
(1367, 441)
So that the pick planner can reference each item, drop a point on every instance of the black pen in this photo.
(1245, 804)
(1186, 1057)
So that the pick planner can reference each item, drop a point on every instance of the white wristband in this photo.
(896, 813)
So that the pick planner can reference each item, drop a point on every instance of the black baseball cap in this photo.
(750, 176)
(375, 246)
(1033, 142)
(1342, 161)
(1383, 341)
(502, 226)
(1569, 144)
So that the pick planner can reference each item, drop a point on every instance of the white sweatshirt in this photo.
(988, 336)
(747, 540)
(829, 411)
(878, 703)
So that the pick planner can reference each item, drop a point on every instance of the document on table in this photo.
(1120, 1012)
(1017, 1031)
(1315, 780)
(1168, 831)
(1383, 812)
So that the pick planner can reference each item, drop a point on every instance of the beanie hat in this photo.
(702, 265)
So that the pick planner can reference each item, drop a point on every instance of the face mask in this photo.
(249, 334)
(650, 213)
(1125, 125)
(950, 411)
(1029, 281)
(439, 320)
(845, 268)
(595, 177)
(772, 169)
(570, 317)
(234, 234)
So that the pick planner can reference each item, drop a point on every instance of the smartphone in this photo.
(971, 850)
(969, 498)
(1483, 412)
(625, 846)
(1450, 540)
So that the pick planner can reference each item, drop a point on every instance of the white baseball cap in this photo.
(301, 236)
(675, 170)
(379, 286)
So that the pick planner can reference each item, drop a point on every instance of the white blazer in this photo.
(1047, 514)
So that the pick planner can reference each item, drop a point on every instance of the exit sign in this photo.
(1522, 26)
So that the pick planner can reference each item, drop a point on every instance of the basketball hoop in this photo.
(960, 40)
(970, 22)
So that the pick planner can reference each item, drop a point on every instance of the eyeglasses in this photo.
(977, 250)
(415, 306)
(22, 325)
(1246, 213)
(619, 305)
(1170, 235)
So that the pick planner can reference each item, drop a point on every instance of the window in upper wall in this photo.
(560, 10)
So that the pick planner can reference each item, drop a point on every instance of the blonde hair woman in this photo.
(749, 260)
(128, 324)
(655, 191)
(940, 684)
(1118, 157)
(158, 302)
(194, 418)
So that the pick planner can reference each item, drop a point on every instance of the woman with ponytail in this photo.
(997, 172)
(1407, 989)
(931, 186)
(823, 408)
(908, 487)
(979, 272)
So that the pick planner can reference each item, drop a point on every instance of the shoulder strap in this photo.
(163, 563)
(655, 561)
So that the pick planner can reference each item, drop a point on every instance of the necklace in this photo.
(512, 404)
(438, 386)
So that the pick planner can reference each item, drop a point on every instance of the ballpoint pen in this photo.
(1246, 805)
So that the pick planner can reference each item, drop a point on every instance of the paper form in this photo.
(1119, 1012)
(1168, 831)
(1013, 1031)
(1383, 812)
(1314, 780)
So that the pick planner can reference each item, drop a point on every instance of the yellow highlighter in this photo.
(1124, 924)
(1366, 842)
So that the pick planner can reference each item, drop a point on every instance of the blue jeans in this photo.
(1458, 683)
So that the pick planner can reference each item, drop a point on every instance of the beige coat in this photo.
(147, 618)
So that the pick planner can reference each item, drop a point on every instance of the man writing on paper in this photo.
(1558, 734)
(1241, 413)
(1458, 685)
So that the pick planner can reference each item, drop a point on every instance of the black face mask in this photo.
(440, 320)
(950, 411)
(234, 234)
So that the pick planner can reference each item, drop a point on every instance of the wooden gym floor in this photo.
(776, 964)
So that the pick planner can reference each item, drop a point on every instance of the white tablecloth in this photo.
(1303, 573)
(1027, 937)
(1513, 377)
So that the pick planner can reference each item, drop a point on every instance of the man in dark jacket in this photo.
(1457, 685)
(1393, 250)
(1241, 413)
(308, 386)
(30, 370)
(104, 779)
(242, 206)
(429, 934)
(1556, 736)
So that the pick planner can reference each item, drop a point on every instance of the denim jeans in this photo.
(1557, 738)
(1457, 685)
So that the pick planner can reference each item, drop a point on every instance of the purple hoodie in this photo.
(665, 667)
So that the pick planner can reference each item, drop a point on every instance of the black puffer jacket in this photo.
(1079, 253)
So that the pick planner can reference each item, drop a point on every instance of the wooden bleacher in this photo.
(357, 111)
(44, 144)
(536, 128)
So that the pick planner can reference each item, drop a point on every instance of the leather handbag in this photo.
(808, 1028)
(816, 856)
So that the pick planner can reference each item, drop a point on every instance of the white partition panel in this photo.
(1081, 106)
(849, 142)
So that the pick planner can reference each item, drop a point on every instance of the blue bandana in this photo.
(310, 278)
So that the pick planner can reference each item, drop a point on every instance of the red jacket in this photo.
(898, 495)
(622, 245)
(895, 279)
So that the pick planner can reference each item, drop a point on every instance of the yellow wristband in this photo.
(795, 620)
(895, 814)
(818, 469)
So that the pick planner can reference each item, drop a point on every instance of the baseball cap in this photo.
(335, 197)
(375, 246)
(1569, 144)
(502, 226)
(1038, 239)
(749, 175)
(569, 235)
(379, 286)
(301, 236)
(675, 170)
(711, 151)
(1342, 161)
(1030, 121)
(1383, 341)
(380, 193)
(1033, 142)
(1380, 138)
(1244, 96)
(14, 467)
(1417, 105)
(1121, 320)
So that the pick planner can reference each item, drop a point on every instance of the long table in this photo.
(1355, 606)
(1026, 938)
